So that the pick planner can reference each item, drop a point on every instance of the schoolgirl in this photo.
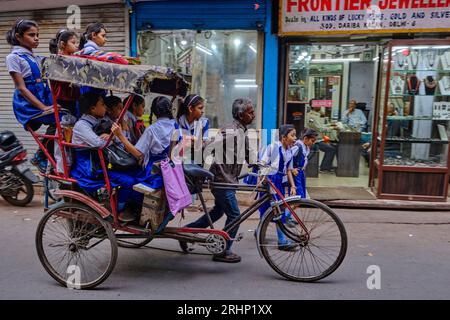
(301, 150)
(32, 96)
(134, 115)
(154, 145)
(194, 126)
(279, 156)
(66, 94)
(90, 43)
(85, 168)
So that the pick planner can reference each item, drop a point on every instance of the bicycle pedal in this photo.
(239, 237)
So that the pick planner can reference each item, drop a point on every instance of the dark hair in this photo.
(161, 107)
(191, 100)
(309, 133)
(137, 100)
(285, 129)
(87, 101)
(64, 36)
(20, 27)
(95, 27)
(111, 101)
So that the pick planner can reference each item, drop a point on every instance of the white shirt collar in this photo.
(91, 43)
(20, 49)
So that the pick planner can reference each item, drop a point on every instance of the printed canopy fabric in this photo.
(139, 79)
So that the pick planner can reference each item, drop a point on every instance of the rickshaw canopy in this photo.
(137, 79)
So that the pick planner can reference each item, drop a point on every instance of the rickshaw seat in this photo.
(194, 170)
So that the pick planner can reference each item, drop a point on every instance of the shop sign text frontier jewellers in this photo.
(308, 17)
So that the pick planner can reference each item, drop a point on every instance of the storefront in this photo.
(337, 57)
(223, 45)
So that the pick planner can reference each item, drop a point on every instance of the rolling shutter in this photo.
(201, 14)
(50, 21)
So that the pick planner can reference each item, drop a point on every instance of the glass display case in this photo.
(412, 136)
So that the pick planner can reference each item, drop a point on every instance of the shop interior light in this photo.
(203, 49)
(252, 48)
(335, 60)
(420, 47)
(244, 80)
(246, 85)
(441, 47)
(237, 42)
(213, 46)
(183, 42)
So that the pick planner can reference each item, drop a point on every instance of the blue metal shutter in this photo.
(201, 14)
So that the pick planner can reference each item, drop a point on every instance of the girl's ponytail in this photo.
(83, 40)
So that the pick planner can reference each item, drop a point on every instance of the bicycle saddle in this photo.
(196, 171)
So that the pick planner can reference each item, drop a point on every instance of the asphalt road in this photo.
(411, 250)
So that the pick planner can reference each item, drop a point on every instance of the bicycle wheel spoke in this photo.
(307, 257)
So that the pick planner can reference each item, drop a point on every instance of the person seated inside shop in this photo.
(315, 120)
(354, 118)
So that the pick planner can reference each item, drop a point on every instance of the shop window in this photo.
(222, 64)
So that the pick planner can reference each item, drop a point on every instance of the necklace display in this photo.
(414, 59)
(446, 60)
(431, 57)
(430, 85)
(413, 84)
(400, 60)
(397, 85)
(446, 83)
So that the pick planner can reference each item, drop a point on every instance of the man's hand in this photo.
(294, 172)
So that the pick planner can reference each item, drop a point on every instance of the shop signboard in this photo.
(316, 17)
(322, 103)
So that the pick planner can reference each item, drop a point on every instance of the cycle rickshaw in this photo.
(80, 235)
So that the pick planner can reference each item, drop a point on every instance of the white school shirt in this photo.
(300, 146)
(156, 138)
(271, 156)
(83, 132)
(16, 64)
(194, 128)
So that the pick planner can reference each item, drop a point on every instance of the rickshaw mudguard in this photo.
(79, 197)
(258, 230)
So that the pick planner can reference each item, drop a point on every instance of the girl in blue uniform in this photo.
(194, 126)
(86, 169)
(279, 156)
(301, 151)
(154, 144)
(90, 43)
(32, 96)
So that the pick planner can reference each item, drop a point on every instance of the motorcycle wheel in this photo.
(25, 193)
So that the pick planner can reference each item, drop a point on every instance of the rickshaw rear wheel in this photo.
(76, 246)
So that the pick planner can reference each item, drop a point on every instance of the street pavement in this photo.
(411, 250)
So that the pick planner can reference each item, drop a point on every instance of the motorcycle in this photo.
(16, 182)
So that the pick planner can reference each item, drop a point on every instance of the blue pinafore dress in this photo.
(277, 180)
(23, 109)
(300, 162)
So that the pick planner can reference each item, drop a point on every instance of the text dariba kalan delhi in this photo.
(332, 5)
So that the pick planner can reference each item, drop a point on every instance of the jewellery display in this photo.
(430, 85)
(444, 85)
(445, 60)
(414, 59)
(400, 60)
(431, 162)
(441, 110)
(430, 58)
(413, 84)
(397, 85)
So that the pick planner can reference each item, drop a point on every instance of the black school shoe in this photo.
(227, 257)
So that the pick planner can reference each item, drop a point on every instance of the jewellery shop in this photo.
(374, 81)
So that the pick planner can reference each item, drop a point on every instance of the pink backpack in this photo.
(177, 193)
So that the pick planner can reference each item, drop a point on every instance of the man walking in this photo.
(234, 141)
